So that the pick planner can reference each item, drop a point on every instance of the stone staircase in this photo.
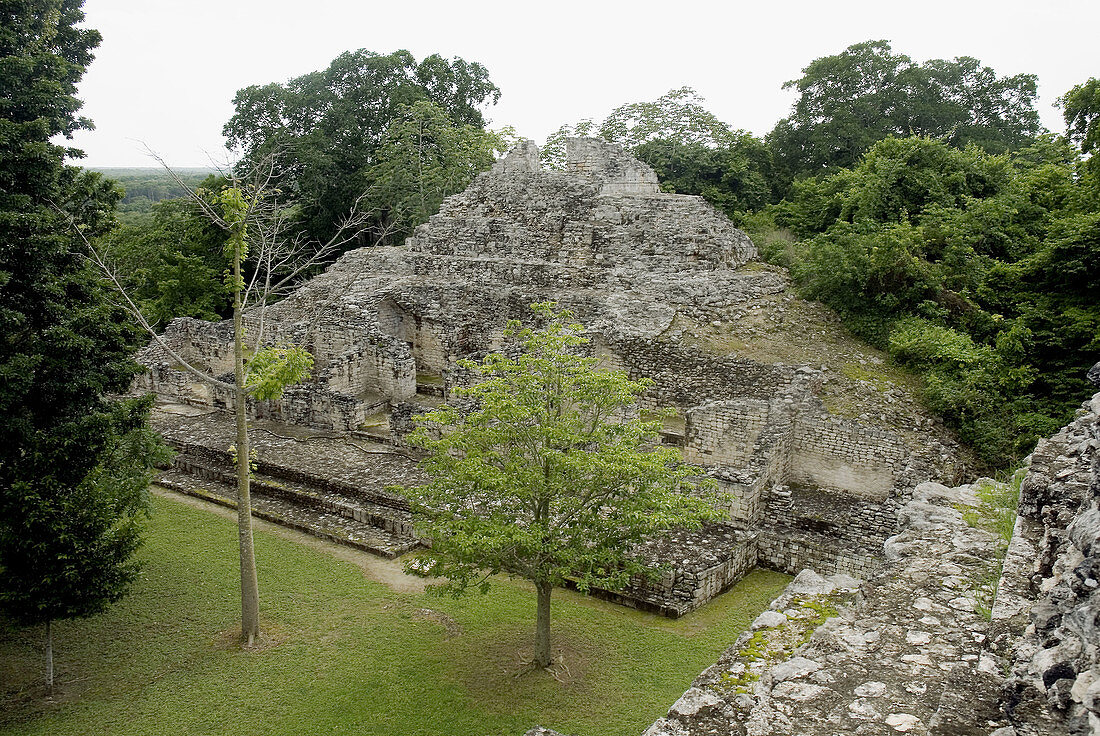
(320, 500)
(340, 487)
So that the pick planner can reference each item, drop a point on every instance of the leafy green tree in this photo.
(328, 125)
(546, 476)
(981, 389)
(897, 180)
(424, 157)
(977, 270)
(1052, 292)
(850, 100)
(967, 103)
(73, 464)
(1081, 109)
(735, 177)
(172, 266)
(68, 538)
(677, 117)
(840, 109)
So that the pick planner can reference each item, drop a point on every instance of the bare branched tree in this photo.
(262, 241)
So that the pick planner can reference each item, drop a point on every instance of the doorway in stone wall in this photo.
(424, 337)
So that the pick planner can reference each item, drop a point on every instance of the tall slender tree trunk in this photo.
(49, 655)
(542, 624)
(250, 589)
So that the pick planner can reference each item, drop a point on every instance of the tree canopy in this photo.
(850, 100)
(423, 158)
(977, 270)
(1081, 109)
(171, 263)
(735, 177)
(678, 117)
(546, 474)
(73, 465)
(328, 126)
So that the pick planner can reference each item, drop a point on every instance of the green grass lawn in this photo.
(348, 655)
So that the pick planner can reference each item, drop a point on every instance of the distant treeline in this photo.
(144, 186)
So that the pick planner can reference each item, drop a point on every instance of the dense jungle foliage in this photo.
(74, 465)
(921, 201)
(979, 271)
(144, 187)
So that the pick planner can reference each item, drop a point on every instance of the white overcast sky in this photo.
(167, 70)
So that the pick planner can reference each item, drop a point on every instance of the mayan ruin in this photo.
(804, 487)
(423, 369)
(664, 285)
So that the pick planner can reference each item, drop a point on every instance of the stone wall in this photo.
(424, 337)
(687, 378)
(918, 650)
(707, 562)
(164, 380)
(844, 455)
(823, 490)
(206, 345)
(380, 367)
(826, 530)
(1046, 619)
(310, 406)
(724, 432)
(615, 171)
(745, 474)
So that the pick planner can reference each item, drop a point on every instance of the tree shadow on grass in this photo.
(24, 695)
(502, 668)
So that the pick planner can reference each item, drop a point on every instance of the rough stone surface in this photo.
(1094, 374)
(914, 652)
(1048, 628)
(887, 662)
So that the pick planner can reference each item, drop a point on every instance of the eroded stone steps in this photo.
(217, 464)
(328, 520)
(363, 514)
(353, 506)
(378, 434)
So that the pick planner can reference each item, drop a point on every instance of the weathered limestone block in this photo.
(882, 665)
(606, 163)
(1048, 627)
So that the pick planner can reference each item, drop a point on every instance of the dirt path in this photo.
(381, 570)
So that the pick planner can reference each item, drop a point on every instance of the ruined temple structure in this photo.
(950, 636)
(813, 451)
